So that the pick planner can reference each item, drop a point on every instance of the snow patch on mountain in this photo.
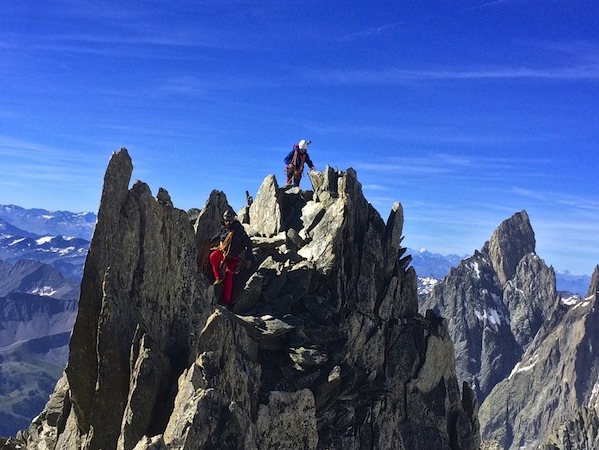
(44, 290)
(571, 299)
(518, 368)
(44, 240)
(489, 316)
(426, 284)
(475, 268)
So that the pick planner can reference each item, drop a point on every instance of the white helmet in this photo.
(228, 215)
(303, 144)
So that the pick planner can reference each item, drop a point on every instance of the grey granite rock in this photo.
(323, 347)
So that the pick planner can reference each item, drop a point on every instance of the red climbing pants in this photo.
(216, 258)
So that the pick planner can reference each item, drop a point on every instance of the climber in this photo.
(295, 161)
(230, 245)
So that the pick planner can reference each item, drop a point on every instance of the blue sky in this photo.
(464, 111)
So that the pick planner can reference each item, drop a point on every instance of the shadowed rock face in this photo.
(323, 346)
(580, 433)
(551, 393)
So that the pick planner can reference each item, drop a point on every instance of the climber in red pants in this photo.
(229, 245)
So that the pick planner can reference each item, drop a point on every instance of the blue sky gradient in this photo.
(464, 111)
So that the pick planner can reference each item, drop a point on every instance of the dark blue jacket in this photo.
(289, 158)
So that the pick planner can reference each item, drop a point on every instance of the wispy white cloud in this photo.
(408, 76)
(444, 163)
(75, 27)
(37, 175)
(138, 47)
(10, 183)
(369, 32)
(564, 239)
(375, 187)
(73, 9)
(413, 136)
(580, 50)
(491, 3)
(47, 172)
(561, 199)
(31, 167)
(27, 150)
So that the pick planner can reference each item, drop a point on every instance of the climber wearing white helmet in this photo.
(295, 161)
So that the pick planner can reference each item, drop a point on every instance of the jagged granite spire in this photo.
(511, 241)
(323, 346)
(494, 303)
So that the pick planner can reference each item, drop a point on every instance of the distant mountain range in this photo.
(49, 223)
(433, 265)
(60, 244)
(61, 239)
(42, 255)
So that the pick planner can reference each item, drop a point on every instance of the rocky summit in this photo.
(322, 348)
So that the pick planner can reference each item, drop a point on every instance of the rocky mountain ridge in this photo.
(34, 277)
(34, 336)
(579, 433)
(24, 317)
(323, 348)
(494, 302)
